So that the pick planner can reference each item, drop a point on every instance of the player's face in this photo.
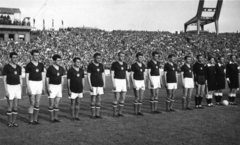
(121, 57)
(155, 57)
(97, 59)
(234, 58)
(14, 59)
(35, 56)
(188, 60)
(200, 59)
(77, 63)
(58, 61)
(222, 60)
(212, 61)
(173, 59)
(140, 59)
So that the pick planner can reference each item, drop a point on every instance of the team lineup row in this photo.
(209, 80)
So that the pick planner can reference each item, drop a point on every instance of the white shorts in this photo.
(121, 85)
(156, 82)
(171, 86)
(36, 87)
(140, 84)
(188, 83)
(75, 95)
(56, 91)
(15, 91)
(97, 91)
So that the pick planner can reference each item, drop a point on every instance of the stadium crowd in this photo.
(72, 42)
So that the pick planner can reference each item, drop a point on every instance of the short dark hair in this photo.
(56, 56)
(171, 55)
(139, 54)
(199, 55)
(219, 58)
(120, 53)
(186, 57)
(34, 51)
(12, 53)
(76, 58)
(231, 56)
(210, 57)
(154, 53)
(96, 54)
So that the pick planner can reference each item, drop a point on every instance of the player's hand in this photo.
(29, 91)
(69, 93)
(43, 91)
(129, 86)
(228, 80)
(91, 89)
(183, 85)
(196, 84)
(104, 87)
(49, 91)
(114, 87)
(151, 84)
(7, 94)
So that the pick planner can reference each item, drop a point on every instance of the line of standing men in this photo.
(199, 74)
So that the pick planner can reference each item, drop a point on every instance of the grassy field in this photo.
(210, 126)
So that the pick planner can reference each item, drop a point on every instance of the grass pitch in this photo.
(210, 126)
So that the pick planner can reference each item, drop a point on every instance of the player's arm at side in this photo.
(27, 83)
(227, 73)
(20, 77)
(62, 78)
(165, 75)
(68, 82)
(43, 80)
(149, 75)
(128, 80)
(89, 78)
(112, 76)
(83, 79)
(5, 85)
(182, 77)
(47, 81)
(104, 80)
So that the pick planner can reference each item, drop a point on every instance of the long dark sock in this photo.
(152, 105)
(200, 100)
(135, 106)
(114, 109)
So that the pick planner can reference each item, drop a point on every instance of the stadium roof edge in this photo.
(9, 10)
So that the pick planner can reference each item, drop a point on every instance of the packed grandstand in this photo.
(71, 42)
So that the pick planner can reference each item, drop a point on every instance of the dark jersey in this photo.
(138, 71)
(220, 76)
(35, 72)
(75, 77)
(96, 74)
(199, 69)
(154, 68)
(171, 72)
(211, 77)
(187, 71)
(54, 75)
(232, 74)
(119, 70)
(220, 70)
(12, 74)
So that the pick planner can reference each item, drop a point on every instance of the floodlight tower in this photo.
(200, 21)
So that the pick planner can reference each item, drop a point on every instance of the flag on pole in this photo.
(33, 22)
(52, 23)
(62, 23)
(43, 24)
